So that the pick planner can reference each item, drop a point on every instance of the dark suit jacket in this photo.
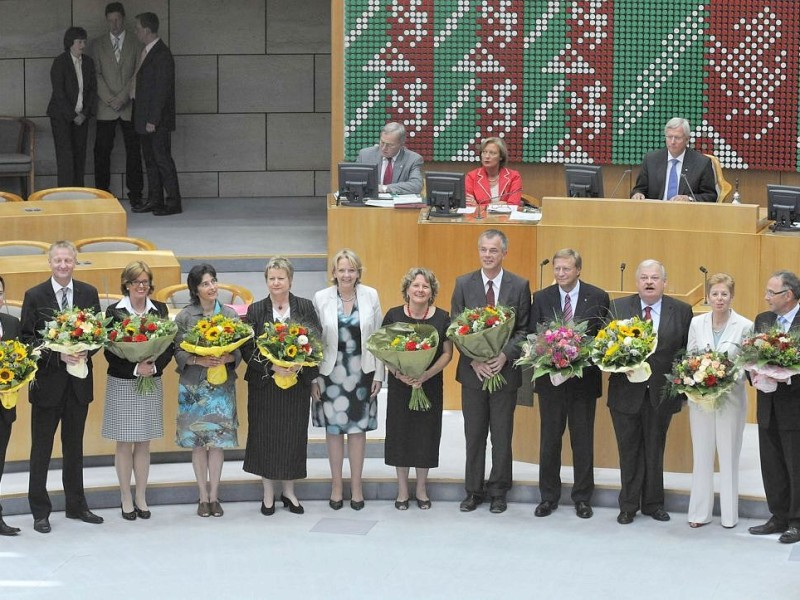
(155, 90)
(406, 170)
(11, 331)
(65, 88)
(515, 292)
(592, 306)
(38, 306)
(673, 333)
(697, 168)
(786, 399)
(123, 369)
(300, 311)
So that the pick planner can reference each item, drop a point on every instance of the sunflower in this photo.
(612, 349)
(19, 352)
(203, 324)
(6, 375)
(294, 330)
(211, 334)
(291, 351)
(130, 330)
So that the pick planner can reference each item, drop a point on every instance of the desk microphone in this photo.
(691, 191)
(704, 271)
(542, 264)
(624, 173)
(621, 276)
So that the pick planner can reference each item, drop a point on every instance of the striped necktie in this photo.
(567, 309)
(64, 300)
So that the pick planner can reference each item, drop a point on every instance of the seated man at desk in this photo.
(676, 173)
(401, 169)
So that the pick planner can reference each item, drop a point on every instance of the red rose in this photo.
(473, 316)
(125, 322)
(426, 346)
(410, 346)
(127, 338)
(151, 327)
(491, 321)
(463, 330)
(711, 380)
(78, 332)
(302, 331)
(113, 335)
(140, 338)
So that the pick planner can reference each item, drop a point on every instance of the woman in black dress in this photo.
(412, 437)
(278, 419)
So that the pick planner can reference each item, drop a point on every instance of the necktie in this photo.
(387, 174)
(490, 294)
(784, 323)
(648, 313)
(567, 308)
(116, 48)
(672, 182)
(64, 301)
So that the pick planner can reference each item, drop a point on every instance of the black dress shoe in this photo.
(625, 517)
(790, 536)
(163, 211)
(267, 511)
(7, 529)
(336, 504)
(86, 516)
(295, 509)
(142, 208)
(545, 508)
(770, 527)
(128, 516)
(401, 504)
(424, 504)
(659, 514)
(583, 510)
(42, 525)
(356, 504)
(498, 505)
(470, 503)
(142, 514)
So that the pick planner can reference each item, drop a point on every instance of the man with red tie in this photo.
(400, 168)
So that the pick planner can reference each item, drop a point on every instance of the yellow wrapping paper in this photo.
(284, 381)
(215, 375)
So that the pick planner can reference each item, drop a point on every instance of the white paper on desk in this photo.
(500, 208)
(519, 215)
(465, 211)
(381, 203)
(407, 199)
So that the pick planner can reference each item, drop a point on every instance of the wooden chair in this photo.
(17, 151)
(9, 197)
(113, 244)
(69, 193)
(177, 296)
(724, 188)
(19, 247)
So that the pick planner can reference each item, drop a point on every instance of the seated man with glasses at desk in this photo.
(400, 168)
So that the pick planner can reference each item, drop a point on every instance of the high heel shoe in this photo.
(142, 514)
(356, 504)
(128, 516)
(267, 512)
(424, 504)
(336, 504)
(295, 509)
(401, 504)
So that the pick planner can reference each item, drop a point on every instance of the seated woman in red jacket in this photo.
(492, 182)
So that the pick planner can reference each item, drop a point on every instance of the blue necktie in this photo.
(672, 181)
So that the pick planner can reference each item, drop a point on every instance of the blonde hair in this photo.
(352, 258)
(281, 263)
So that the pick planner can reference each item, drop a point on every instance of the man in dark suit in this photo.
(9, 330)
(154, 118)
(401, 169)
(574, 401)
(677, 172)
(486, 412)
(72, 102)
(778, 415)
(639, 415)
(56, 396)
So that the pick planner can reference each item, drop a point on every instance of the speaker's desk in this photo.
(49, 221)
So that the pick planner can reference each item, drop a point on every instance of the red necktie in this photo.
(387, 174)
(647, 313)
(567, 313)
(490, 294)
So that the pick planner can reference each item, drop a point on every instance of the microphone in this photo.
(542, 264)
(624, 173)
(691, 191)
(622, 276)
(704, 271)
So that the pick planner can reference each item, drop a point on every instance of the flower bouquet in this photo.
(771, 357)
(559, 349)
(409, 348)
(705, 377)
(215, 336)
(140, 338)
(75, 330)
(287, 345)
(481, 333)
(623, 346)
(17, 368)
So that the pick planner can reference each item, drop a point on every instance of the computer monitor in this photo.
(445, 193)
(783, 207)
(358, 181)
(584, 181)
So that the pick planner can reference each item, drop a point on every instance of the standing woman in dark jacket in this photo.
(132, 418)
(9, 330)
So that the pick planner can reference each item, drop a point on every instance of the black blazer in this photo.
(673, 334)
(259, 313)
(697, 169)
(785, 400)
(155, 90)
(65, 88)
(592, 306)
(11, 330)
(123, 369)
(38, 306)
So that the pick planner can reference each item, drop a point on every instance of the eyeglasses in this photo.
(771, 294)
(140, 283)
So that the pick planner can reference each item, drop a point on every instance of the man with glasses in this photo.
(400, 168)
(640, 416)
(778, 415)
(676, 173)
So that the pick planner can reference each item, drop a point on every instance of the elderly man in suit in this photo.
(56, 396)
(677, 172)
(640, 417)
(778, 415)
(9, 330)
(154, 117)
(574, 401)
(115, 54)
(401, 169)
(486, 412)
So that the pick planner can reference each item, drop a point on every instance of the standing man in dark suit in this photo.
(640, 417)
(9, 330)
(574, 401)
(72, 102)
(115, 54)
(486, 412)
(677, 172)
(778, 415)
(55, 395)
(401, 169)
(154, 117)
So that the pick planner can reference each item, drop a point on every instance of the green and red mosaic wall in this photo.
(576, 81)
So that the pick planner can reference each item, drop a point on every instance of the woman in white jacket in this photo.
(346, 392)
(722, 329)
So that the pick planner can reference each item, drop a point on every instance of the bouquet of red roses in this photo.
(140, 338)
(75, 330)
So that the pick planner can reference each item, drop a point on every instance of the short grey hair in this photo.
(62, 244)
(395, 128)
(676, 123)
(490, 234)
(651, 262)
(790, 280)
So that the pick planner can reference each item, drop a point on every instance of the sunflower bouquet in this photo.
(409, 348)
(289, 345)
(17, 368)
(215, 336)
(75, 330)
(140, 338)
(704, 377)
(623, 346)
(481, 333)
(558, 349)
(771, 357)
